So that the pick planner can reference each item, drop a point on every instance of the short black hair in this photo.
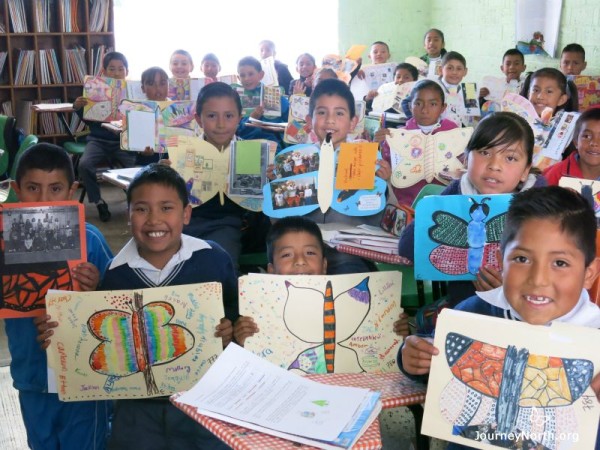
(183, 52)
(292, 224)
(110, 56)
(217, 89)
(423, 85)
(309, 56)
(414, 72)
(514, 52)
(47, 157)
(589, 115)
(381, 43)
(573, 48)
(149, 74)
(250, 61)
(565, 206)
(435, 30)
(159, 174)
(502, 128)
(565, 86)
(453, 56)
(331, 87)
(211, 57)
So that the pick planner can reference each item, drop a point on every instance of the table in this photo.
(396, 390)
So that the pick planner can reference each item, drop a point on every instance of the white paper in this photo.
(141, 126)
(243, 386)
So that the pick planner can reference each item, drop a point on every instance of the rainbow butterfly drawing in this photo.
(134, 341)
(509, 397)
(463, 233)
(340, 316)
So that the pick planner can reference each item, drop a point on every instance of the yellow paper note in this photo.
(356, 166)
(355, 51)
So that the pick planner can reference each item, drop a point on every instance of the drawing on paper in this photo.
(321, 358)
(509, 393)
(463, 232)
(589, 189)
(133, 342)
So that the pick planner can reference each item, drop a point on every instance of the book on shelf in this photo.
(23, 114)
(3, 56)
(99, 15)
(98, 52)
(48, 122)
(324, 416)
(25, 73)
(43, 15)
(68, 14)
(7, 109)
(75, 64)
(49, 67)
(18, 18)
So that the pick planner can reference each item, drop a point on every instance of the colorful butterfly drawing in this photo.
(194, 201)
(509, 392)
(134, 341)
(465, 246)
(338, 318)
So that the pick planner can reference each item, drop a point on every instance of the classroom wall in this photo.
(482, 30)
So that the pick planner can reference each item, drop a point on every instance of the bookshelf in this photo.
(46, 48)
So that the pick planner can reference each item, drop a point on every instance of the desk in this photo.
(120, 177)
(396, 390)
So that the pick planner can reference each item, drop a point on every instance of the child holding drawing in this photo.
(181, 64)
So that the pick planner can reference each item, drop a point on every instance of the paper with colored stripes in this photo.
(133, 344)
(324, 324)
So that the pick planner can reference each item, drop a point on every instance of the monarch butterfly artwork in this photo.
(135, 341)
(463, 232)
(511, 390)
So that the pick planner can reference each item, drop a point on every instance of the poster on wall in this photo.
(537, 26)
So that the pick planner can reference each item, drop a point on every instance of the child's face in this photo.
(116, 69)
(588, 145)
(427, 107)
(249, 77)
(572, 63)
(512, 66)
(219, 119)
(332, 115)
(156, 89)
(545, 92)
(379, 54)
(453, 71)
(265, 51)
(433, 44)
(157, 217)
(403, 76)
(210, 69)
(498, 170)
(544, 272)
(180, 66)
(38, 185)
(305, 66)
(298, 253)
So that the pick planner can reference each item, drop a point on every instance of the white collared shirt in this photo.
(129, 255)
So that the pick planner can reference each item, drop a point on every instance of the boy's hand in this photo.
(385, 169)
(244, 328)
(416, 355)
(258, 112)
(371, 95)
(595, 384)
(165, 161)
(401, 325)
(488, 278)
(79, 102)
(44, 328)
(225, 331)
(88, 276)
(148, 151)
(381, 134)
(484, 92)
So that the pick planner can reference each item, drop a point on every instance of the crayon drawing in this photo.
(324, 324)
(460, 233)
(103, 97)
(589, 189)
(518, 386)
(133, 344)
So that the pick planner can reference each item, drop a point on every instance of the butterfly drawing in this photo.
(508, 392)
(333, 320)
(136, 340)
(416, 156)
(465, 246)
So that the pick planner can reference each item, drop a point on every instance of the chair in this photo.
(29, 141)
(9, 142)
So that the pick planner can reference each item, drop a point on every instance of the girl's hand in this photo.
(225, 331)
(79, 102)
(381, 134)
(416, 355)
(44, 328)
(308, 81)
(299, 88)
(488, 278)
(385, 169)
(401, 325)
(244, 328)
(87, 275)
(258, 112)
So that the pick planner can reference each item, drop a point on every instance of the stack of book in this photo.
(365, 237)
(68, 14)
(49, 123)
(49, 67)
(42, 15)
(25, 68)
(76, 65)
(99, 15)
(16, 10)
(246, 390)
(3, 56)
(98, 53)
